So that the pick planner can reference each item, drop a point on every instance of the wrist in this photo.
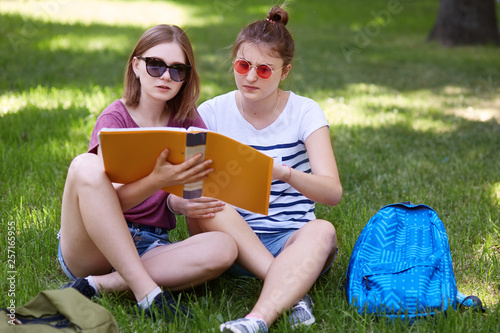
(287, 174)
(170, 207)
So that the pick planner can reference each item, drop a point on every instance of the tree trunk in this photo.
(462, 22)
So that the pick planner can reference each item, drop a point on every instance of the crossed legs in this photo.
(289, 276)
(95, 238)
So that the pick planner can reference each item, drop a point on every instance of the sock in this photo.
(91, 282)
(254, 316)
(148, 300)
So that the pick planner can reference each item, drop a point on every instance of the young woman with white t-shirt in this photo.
(289, 248)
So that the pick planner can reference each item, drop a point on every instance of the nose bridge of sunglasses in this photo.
(254, 67)
(162, 68)
(175, 74)
(256, 70)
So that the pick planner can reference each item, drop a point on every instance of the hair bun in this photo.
(277, 15)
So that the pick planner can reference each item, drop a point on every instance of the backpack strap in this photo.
(469, 302)
(472, 302)
(56, 321)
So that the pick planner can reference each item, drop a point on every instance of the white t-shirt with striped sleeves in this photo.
(284, 141)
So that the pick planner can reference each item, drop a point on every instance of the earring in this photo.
(137, 76)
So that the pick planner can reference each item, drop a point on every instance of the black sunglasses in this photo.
(157, 67)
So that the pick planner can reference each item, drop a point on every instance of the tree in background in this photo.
(462, 22)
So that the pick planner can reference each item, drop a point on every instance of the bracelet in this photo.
(290, 172)
(168, 205)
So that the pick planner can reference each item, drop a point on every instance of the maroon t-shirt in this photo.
(153, 211)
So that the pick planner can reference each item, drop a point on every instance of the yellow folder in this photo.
(242, 175)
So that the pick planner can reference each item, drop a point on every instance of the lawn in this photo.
(410, 120)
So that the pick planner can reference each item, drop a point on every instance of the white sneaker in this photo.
(244, 325)
(301, 313)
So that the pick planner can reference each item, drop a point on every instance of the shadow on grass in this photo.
(450, 171)
(36, 147)
(62, 55)
(394, 56)
(77, 56)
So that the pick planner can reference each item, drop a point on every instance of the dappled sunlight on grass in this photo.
(484, 110)
(376, 106)
(103, 12)
(11, 103)
(425, 124)
(90, 43)
(485, 256)
(94, 99)
(495, 190)
(372, 105)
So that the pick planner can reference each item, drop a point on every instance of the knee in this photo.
(85, 162)
(220, 251)
(86, 169)
(229, 248)
(224, 250)
(327, 233)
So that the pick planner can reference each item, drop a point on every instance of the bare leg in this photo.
(94, 233)
(252, 254)
(289, 276)
(307, 253)
(182, 265)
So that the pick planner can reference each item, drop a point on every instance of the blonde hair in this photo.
(182, 105)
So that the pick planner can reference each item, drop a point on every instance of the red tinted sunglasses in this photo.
(263, 71)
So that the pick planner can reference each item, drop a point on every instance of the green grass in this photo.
(410, 120)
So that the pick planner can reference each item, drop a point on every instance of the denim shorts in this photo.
(145, 238)
(275, 243)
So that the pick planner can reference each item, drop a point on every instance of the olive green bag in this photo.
(64, 310)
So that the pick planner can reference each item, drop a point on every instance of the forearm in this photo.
(163, 175)
(132, 194)
(202, 207)
(323, 183)
(323, 189)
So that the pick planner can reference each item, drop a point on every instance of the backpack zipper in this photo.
(365, 280)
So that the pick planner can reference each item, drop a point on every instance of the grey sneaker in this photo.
(244, 325)
(301, 313)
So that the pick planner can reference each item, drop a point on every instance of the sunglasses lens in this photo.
(179, 73)
(155, 67)
(264, 71)
(241, 66)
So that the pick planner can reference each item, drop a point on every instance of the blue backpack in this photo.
(401, 266)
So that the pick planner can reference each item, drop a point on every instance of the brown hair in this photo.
(270, 32)
(183, 104)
